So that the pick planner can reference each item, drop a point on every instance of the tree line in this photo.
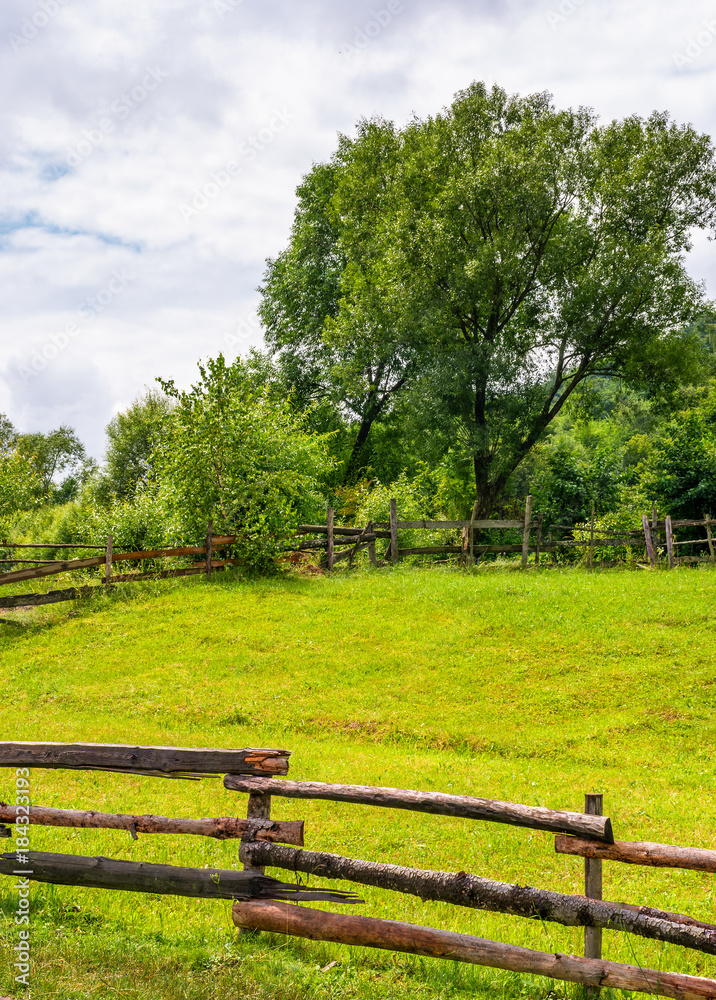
(489, 301)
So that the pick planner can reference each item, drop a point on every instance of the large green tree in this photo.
(520, 250)
(337, 341)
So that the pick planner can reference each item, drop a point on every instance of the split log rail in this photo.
(44, 568)
(268, 842)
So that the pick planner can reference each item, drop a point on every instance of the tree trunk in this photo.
(353, 464)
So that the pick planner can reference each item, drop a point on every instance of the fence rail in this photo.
(261, 836)
(355, 539)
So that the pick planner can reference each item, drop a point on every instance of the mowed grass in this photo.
(529, 687)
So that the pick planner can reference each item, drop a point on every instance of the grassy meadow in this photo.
(532, 687)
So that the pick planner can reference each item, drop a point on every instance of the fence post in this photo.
(709, 537)
(108, 562)
(593, 806)
(526, 532)
(393, 530)
(591, 539)
(669, 541)
(209, 533)
(258, 807)
(371, 547)
(330, 551)
(647, 539)
(539, 538)
(471, 530)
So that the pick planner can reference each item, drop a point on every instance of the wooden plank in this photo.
(50, 545)
(152, 759)
(647, 538)
(392, 935)
(138, 876)
(593, 805)
(166, 574)
(220, 828)
(434, 525)
(437, 803)
(208, 546)
(34, 562)
(186, 550)
(639, 853)
(591, 565)
(50, 569)
(669, 542)
(430, 550)
(465, 889)
(322, 529)
(394, 554)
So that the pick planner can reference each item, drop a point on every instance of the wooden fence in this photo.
(264, 841)
(51, 567)
(343, 542)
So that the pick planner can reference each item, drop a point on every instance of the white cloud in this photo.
(68, 222)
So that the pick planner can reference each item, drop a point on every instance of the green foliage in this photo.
(139, 523)
(235, 454)
(52, 454)
(680, 469)
(132, 436)
(520, 250)
(19, 485)
(568, 486)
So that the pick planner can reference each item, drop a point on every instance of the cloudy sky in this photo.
(150, 151)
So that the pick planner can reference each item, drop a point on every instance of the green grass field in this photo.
(530, 687)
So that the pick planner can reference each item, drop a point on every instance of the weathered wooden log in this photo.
(467, 806)
(169, 880)
(463, 889)
(54, 597)
(648, 540)
(432, 550)
(322, 529)
(392, 935)
(639, 853)
(217, 541)
(221, 828)
(448, 525)
(166, 574)
(138, 759)
(49, 545)
(50, 569)
(352, 551)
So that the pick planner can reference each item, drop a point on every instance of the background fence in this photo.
(343, 542)
(337, 543)
(264, 841)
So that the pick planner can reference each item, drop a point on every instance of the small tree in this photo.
(132, 437)
(234, 453)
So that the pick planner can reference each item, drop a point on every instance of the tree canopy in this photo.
(500, 254)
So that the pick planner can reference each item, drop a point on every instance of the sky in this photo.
(150, 151)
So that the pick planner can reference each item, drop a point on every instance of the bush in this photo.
(237, 455)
